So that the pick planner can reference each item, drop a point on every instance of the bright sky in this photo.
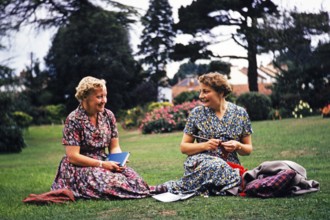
(20, 45)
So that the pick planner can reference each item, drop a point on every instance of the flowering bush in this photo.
(131, 118)
(326, 111)
(156, 105)
(167, 118)
(302, 110)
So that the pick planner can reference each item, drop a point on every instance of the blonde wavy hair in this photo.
(86, 85)
(216, 81)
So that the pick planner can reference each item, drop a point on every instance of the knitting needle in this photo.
(203, 138)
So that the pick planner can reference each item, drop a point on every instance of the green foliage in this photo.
(157, 159)
(11, 135)
(220, 66)
(6, 76)
(131, 118)
(11, 139)
(35, 82)
(199, 18)
(156, 105)
(231, 98)
(22, 119)
(308, 81)
(278, 114)
(55, 113)
(145, 92)
(257, 105)
(96, 43)
(306, 76)
(188, 69)
(56, 14)
(186, 97)
(157, 38)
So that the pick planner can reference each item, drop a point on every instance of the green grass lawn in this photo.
(157, 159)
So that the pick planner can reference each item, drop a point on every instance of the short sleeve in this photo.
(246, 124)
(71, 133)
(190, 127)
(113, 125)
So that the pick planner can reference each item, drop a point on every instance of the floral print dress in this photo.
(207, 172)
(95, 182)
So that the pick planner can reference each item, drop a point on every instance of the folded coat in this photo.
(299, 185)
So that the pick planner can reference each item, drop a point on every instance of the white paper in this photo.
(170, 197)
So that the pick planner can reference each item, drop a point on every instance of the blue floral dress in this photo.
(208, 172)
(95, 182)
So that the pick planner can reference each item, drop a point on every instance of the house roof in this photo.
(189, 81)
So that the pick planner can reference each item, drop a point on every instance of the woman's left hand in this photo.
(231, 146)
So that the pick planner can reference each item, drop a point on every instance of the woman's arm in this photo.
(74, 156)
(114, 146)
(242, 148)
(188, 146)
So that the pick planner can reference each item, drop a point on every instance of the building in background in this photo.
(238, 79)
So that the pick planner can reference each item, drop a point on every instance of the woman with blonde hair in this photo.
(88, 131)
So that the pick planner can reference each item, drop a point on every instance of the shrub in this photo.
(55, 113)
(257, 105)
(231, 98)
(11, 136)
(22, 119)
(302, 109)
(279, 113)
(11, 139)
(131, 117)
(167, 119)
(40, 115)
(156, 105)
(158, 121)
(186, 97)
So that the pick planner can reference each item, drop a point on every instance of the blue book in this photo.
(121, 158)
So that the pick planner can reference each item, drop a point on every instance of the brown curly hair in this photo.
(86, 85)
(216, 81)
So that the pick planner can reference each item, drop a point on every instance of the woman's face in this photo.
(209, 97)
(95, 101)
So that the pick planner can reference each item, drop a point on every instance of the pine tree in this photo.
(157, 39)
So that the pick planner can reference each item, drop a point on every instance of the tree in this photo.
(309, 82)
(290, 34)
(11, 135)
(203, 17)
(157, 39)
(192, 69)
(15, 13)
(35, 82)
(307, 75)
(94, 42)
(187, 69)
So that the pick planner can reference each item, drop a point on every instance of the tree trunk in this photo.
(252, 59)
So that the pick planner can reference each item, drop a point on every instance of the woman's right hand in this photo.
(113, 166)
(212, 144)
